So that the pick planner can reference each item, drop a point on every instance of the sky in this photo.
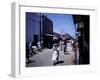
(62, 23)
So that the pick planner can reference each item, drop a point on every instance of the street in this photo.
(44, 58)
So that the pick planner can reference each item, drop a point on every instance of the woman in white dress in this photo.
(55, 56)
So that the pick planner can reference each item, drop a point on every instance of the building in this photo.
(82, 24)
(39, 28)
(47, 26)
(32, 27)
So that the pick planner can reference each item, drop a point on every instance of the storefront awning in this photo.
(49, 35)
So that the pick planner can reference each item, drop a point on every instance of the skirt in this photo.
(55, 56)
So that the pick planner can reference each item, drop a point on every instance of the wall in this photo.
(32, 26)
(5, 41)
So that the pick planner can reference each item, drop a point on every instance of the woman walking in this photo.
(55, 56)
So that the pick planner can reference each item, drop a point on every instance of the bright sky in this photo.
(62, 23)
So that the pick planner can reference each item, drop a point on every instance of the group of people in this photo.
(32, 48)
(57, 46)
(62, 45)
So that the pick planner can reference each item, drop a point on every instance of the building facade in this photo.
(32, 27)
(39, 28)
(82, 25)
(47, 26)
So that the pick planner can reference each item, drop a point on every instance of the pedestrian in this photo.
(27, 52)
(42, 45)
(58, 48)
(55, 56)
(39, 46)
(64, 46)
(30, 49)
(76, 50)
(61, 45)
(72, 42)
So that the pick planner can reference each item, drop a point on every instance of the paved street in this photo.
(44, 58)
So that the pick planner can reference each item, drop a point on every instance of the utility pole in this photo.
(41, 27)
